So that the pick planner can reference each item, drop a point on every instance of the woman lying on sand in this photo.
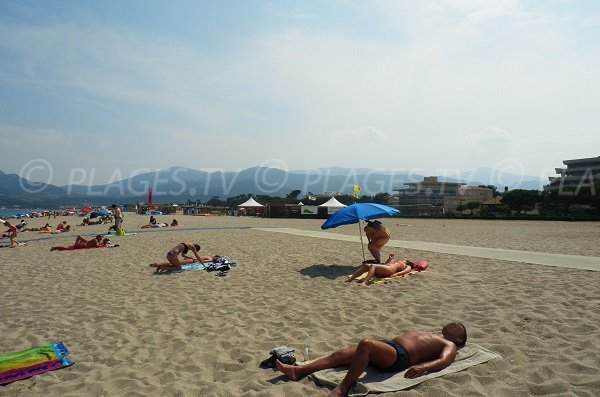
(81, 242)
(57, 231)
(391, 268)
(174, 263)
(47, 229)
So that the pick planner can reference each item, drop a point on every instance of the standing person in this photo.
(420, 352)
(378, 236)
(11, 233)
(118, 217)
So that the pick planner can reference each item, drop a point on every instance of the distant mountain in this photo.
(180, 184)
(500, 179)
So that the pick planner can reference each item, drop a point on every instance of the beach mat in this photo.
(34, 361)
(116, 235)
(374, 381)
(208, 266)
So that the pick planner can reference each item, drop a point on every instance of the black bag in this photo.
(281, 353)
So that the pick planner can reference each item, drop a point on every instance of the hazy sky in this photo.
(428, 86)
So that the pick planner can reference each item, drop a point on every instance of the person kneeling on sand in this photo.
(420, 352)
(391, 268)
(173, 258)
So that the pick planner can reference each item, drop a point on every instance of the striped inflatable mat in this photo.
(34, 361)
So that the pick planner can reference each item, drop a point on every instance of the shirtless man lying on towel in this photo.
(391, 268)
(420, 352)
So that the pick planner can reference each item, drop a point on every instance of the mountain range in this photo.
(177, 184)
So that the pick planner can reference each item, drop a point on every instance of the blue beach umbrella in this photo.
(358, 212)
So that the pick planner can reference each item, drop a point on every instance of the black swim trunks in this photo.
(402, 359)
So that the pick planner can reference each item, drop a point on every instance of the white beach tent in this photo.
(332, 203)
(251, 203)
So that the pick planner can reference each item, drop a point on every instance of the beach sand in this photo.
(131, 333)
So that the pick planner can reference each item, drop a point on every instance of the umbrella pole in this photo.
(361, 241)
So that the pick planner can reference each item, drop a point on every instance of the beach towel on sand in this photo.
(26, 363)
(208, 266)
(374, 381)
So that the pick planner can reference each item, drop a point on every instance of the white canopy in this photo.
(251, 203)
(333, 203)
(300, 203)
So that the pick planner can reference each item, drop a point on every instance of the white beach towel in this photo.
(374, 381)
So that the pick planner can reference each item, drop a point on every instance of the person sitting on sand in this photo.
(391, 268)
(21, 225)
(420, 352)
(173, 258)
(174, 223)
(65, 229)
(47, 228)
(11, 233)
(378, 236)
(61, 226)
(152, 220)
(81, 242)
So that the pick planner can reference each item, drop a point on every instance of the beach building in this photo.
(465, 195)
(425, 197)
(578, 173)
(431, 197)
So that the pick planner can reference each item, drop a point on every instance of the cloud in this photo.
(423, 72)
(359, 135)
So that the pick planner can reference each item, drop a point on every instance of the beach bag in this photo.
(420, 265)
(281, 353)
(121, 232)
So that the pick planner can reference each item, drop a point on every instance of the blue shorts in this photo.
(402, 360)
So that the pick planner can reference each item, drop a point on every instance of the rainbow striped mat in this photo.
(26, 363)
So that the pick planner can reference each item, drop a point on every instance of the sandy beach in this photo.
(132, 333)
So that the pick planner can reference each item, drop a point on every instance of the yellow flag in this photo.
(355, 191)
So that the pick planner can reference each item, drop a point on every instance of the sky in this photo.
(95, 91)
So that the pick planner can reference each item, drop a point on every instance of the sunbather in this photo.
(420, 352)
(65, 229)
(173, 258)
(391, 268)
(154, 225)
(81, 242)
(45, 228)
(21, 225)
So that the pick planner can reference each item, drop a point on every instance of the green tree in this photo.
(381, 198)
(519, 200)
(473, 205)
(214, 202)
(293, 194)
